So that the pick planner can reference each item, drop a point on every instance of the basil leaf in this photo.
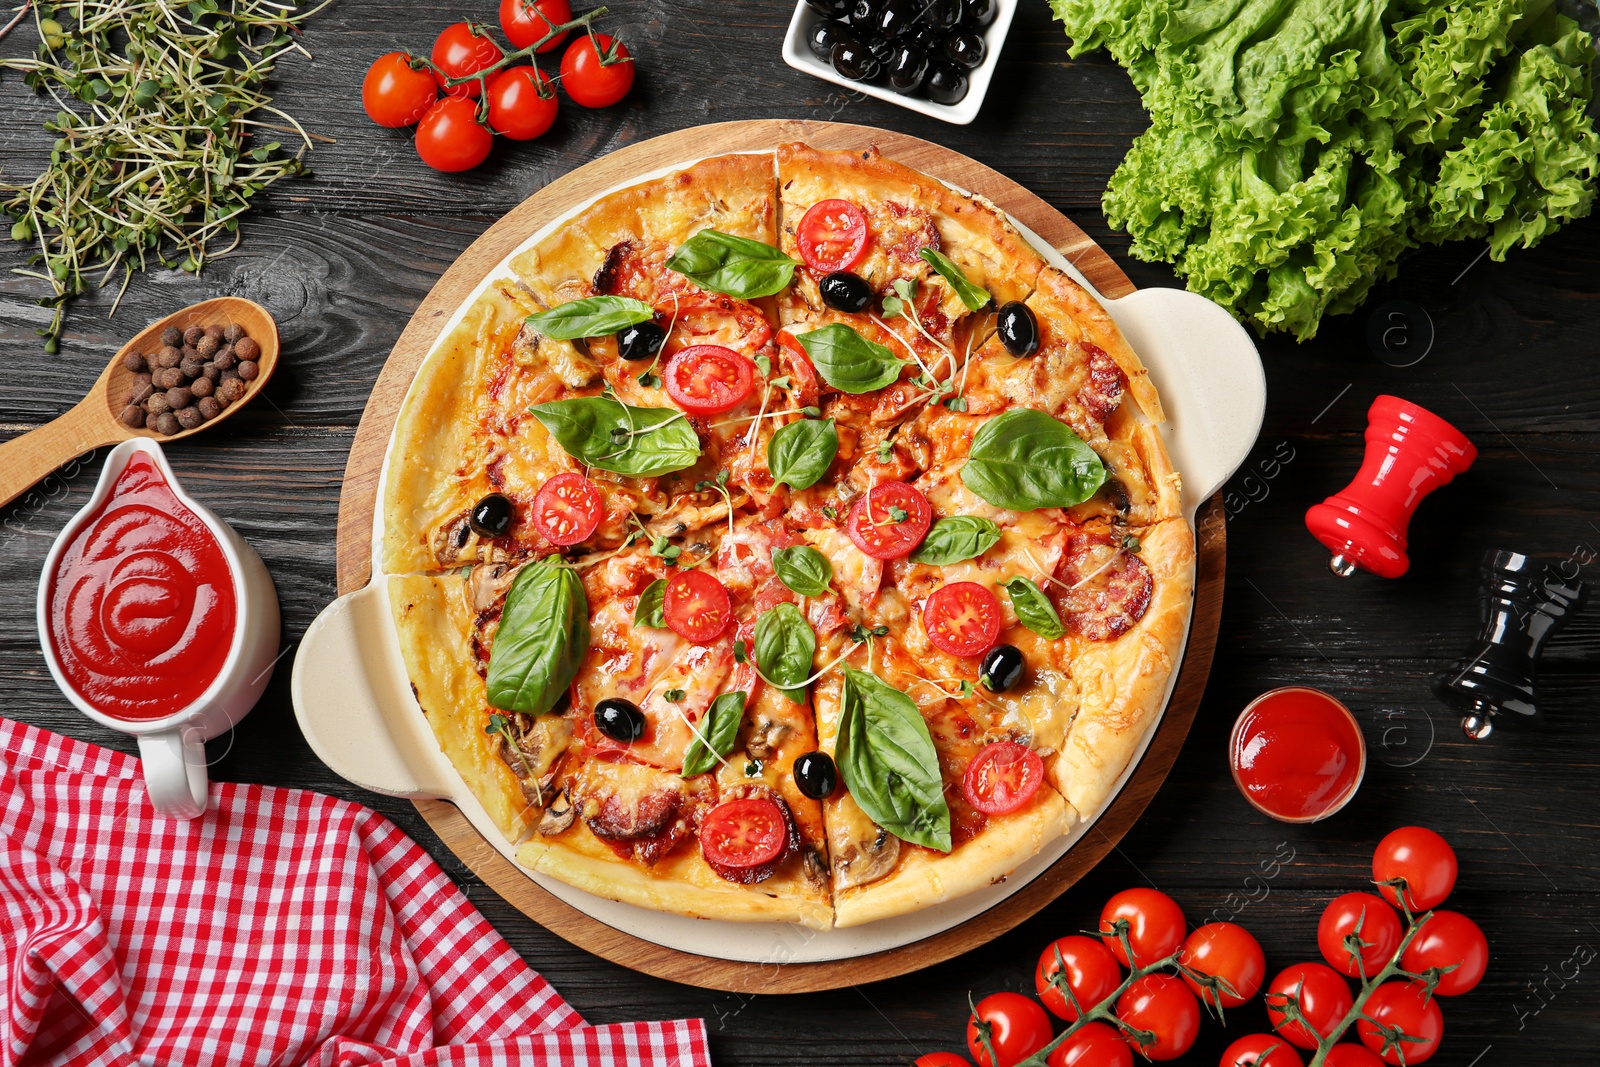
(613, 436)
(801, 452)
(1034, 609)
(720, 727)
(785, 646)
(591, 317)
(974, 297)
(542, 639)
(803, 569)
(652, 608)
(956, 538)
(849, 362)
(1025, 459)
(886, 757)
(737, 266)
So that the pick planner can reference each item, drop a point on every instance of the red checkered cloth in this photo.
(281, 928)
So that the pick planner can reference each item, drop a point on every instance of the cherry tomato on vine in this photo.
(1163, 1006)
(462, 49)
(708, 379)
(1261, 1050)
(1350, 1054)
(962, 619)
(1423, 858)
(516, 108)
(1017, 1028)
(942, 1059)
(597, 78)
(1155, 925)
(890, 520)
(1367, 917)
(1229, 952)
(450, 137)
(396, 94)
(697, 606)
(525, 21)
(1448, 939)
(1401, 1005)
(1093, 1045)
(832, 235)
(1091, 971)
(568, 508)
(1323, 996)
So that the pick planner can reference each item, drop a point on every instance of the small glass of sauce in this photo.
(1297, 754)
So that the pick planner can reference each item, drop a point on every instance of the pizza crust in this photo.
(680, 882)
(1121, 685)
(435, 626)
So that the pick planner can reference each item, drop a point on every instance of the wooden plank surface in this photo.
(343, 258)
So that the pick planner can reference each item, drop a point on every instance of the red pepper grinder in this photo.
(1410, 453)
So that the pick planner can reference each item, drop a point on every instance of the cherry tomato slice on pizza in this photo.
(832, 236)
(890, 521)
(743, 833)
(568, 509)
(708, 379)
(697, 606)
(962, 618)
(1003, 777)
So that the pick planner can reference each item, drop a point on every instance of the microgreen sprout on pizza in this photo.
(784, 539)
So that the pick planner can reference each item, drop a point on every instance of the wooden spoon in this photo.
(94, 422)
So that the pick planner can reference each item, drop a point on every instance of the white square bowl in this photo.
(798, 56)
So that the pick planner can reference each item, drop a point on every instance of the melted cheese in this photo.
(857, 575)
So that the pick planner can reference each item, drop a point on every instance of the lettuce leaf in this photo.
(1298, 147)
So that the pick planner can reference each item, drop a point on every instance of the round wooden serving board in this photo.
(358, 498)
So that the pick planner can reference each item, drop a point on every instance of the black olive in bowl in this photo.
(907, 68)
(965, 48)
(853, 61)
(946, 83)
(821, 35)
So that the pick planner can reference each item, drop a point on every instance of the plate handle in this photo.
(366, 729)
(1207, 358)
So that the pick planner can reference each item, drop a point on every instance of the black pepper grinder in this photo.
(1522, 604)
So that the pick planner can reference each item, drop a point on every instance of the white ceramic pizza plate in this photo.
(355, 705)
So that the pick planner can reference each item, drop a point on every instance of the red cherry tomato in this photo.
(743, 833)
(1163, 1006)
(1423, 858)
(1090, 971)
(962, 618)
(1448, 939)
(461, 50)
(708, 379)
(1016, 1026)
(1229, 952)
(890, 521)
(697, 606)
(597, 79)
(941, 1059)
(1323, 995)
(1401, 1005)
(1368, 918)
(1155, 925)
(396, 94)
(1261, 1050)
(796, 363)
(525, 21)
(516, 108)
(832, 235)
(1004, 775)
(568, 508)
(450, 138)
(1092, 1045)
(1351, 1055)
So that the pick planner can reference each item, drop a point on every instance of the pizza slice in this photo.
(488, 476)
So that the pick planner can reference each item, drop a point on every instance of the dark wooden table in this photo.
(343, 257)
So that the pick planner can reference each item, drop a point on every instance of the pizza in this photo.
(783, 538)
